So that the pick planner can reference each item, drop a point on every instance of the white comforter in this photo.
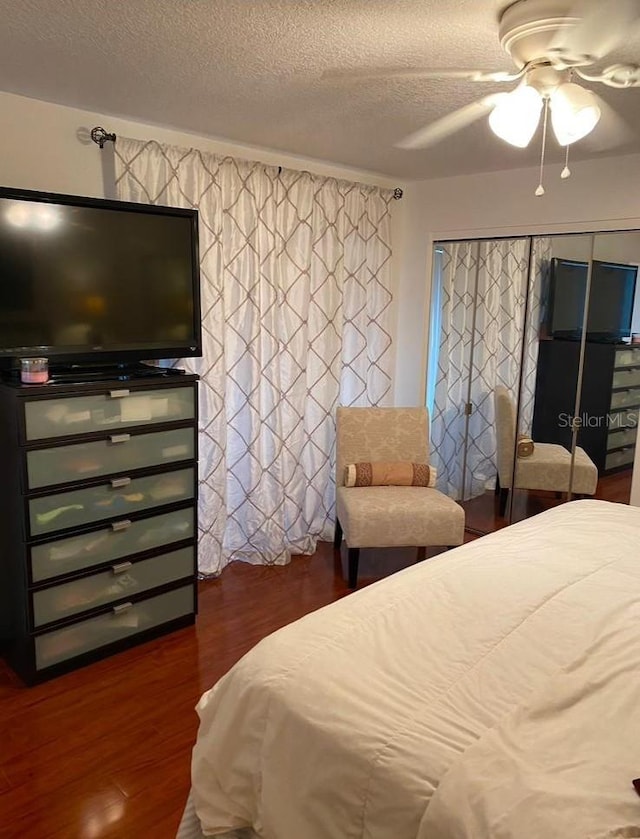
(490, 693)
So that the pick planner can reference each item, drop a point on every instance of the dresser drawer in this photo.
(622, 398)
(619, 420)
(121, 622)
(120, 497)
(124, 580)
(119, 453)
(622, 458)
(627, 357)
(624, 437)
(626, 378)
(119, 408)
(123, 538)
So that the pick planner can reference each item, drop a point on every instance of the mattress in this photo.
(489, 692)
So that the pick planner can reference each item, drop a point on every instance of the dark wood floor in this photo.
(104, 751)
(482, 515)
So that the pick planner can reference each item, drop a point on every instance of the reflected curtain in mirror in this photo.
(482, 288)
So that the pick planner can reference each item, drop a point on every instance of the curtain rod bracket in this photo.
(398, 193)
(100, 136)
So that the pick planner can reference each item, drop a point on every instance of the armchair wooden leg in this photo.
(497, 489)
(353, 559)
(504, 497)
(337, 535)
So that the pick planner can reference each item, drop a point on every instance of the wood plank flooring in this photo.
(482, 514)
(104, 752)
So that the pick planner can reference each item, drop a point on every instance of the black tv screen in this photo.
(91, 280)
(610, 302)
(568, 291)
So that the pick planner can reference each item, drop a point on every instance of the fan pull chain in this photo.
(566, 172)
(540, 189)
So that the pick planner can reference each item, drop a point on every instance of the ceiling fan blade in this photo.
(611, 132)
(437, 131)
(422, 72)
(601, 27)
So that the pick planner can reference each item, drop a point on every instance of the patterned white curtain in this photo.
(457, 280)
(483, 293)
(541, 253)
(296, 294)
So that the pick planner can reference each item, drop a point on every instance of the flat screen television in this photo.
(610, 303)
(91, 281)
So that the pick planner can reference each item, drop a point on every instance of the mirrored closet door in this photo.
(591, 314)
(549, 464)
(534, 382)
(477, 330)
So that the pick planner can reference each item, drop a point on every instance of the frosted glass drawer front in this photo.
(120, 453)
(621, 458)
(120, 497)
(123, 538)
(106, 411)
(620, 398)
(625, 358)
(93, 633)
(625, 437)
(124, 580)
(626, 378)
(623, 419)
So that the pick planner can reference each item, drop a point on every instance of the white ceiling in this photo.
(251, 71)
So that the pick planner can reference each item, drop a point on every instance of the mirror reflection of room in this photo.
(550, 465)
(606, 422)
(477, 333)
(519, 424)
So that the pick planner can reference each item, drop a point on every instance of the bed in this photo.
(490, 693)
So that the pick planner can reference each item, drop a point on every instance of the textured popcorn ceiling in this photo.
(250, 71)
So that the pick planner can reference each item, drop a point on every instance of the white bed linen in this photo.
(347, 722)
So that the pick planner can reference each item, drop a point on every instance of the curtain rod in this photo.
(100, 136)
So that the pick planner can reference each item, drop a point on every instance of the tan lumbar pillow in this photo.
(526, 446)
(389, 473)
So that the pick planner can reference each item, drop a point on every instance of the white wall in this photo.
(46, 147)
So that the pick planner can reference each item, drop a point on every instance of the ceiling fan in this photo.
(554, 45)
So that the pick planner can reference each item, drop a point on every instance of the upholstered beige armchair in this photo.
(389, 516)
(548, 468)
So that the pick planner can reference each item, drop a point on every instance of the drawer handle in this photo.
(123, 607)
(116, 483)
(119, 526)
(119, 438)
(119, 394)
(121, 567)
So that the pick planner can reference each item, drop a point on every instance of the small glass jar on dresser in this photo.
(34, 371)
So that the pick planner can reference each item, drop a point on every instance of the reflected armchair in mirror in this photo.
(547, 468)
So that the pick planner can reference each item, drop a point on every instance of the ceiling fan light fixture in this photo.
(516, 116)
(574, 113)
